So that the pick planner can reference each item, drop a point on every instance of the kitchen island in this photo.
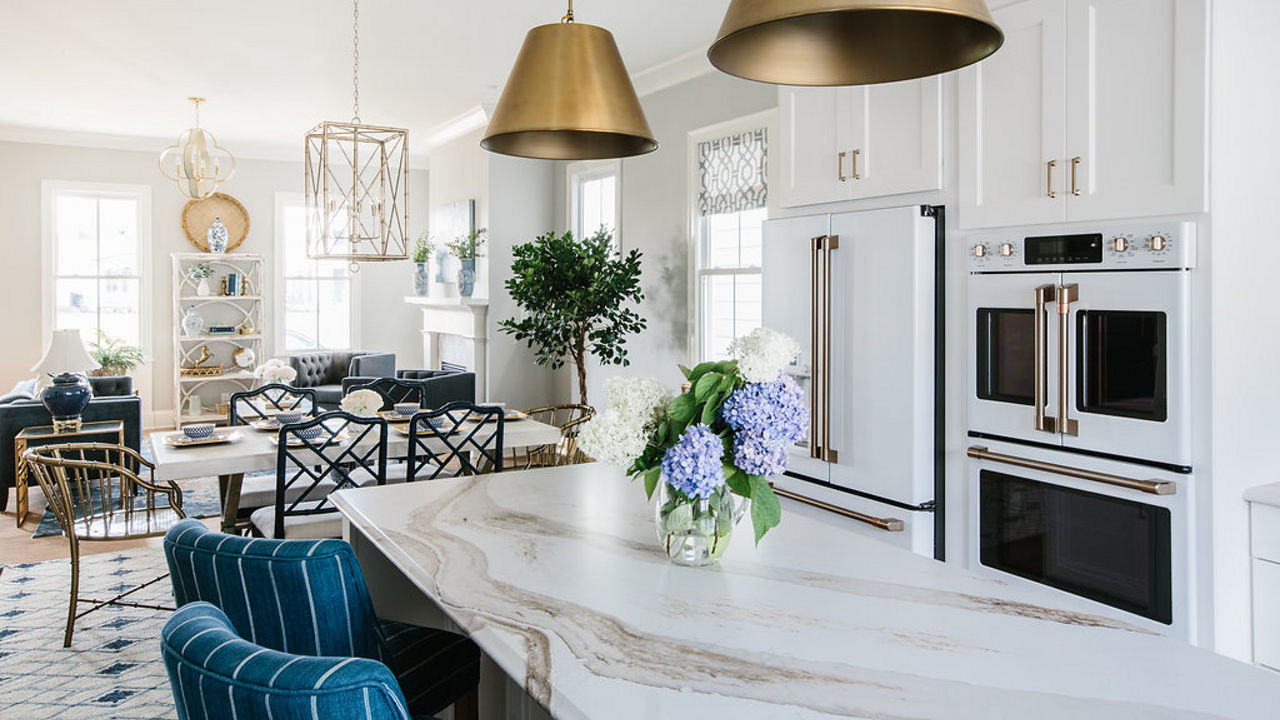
(557, 575)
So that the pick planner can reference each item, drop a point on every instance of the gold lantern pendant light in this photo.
(569, 97)
(851, 42)
(356, 184)
(198, 163)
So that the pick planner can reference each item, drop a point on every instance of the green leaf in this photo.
(681, 410)
(737, 480)
(766, 511)
(702, 368)
(684, 371)
(705, 386)
(651, 480)
(680, 518)
(727, 383)
(709, 410)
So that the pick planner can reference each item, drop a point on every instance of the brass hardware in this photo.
(1156, 243)
(840, 167)
(815, 244)
(569, 97)
(1075, 165)
(1067, 294)
(979, 250)
(1120, 244)
(1151, 487)
(886, 524)
(854, 158)
(1044, 295)
(832, 243)
(851, 42)
(1049, 178)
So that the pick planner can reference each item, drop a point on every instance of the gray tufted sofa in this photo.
(325, 370)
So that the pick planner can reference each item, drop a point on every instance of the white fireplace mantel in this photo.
(465, 318)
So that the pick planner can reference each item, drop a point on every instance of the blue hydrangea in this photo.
(758, 455)
(772, 410)
(694, 464)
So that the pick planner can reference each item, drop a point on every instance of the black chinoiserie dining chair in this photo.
(334, 451)
(458, 439)
(393, 391)
(269, 400)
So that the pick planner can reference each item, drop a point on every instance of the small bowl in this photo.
(198, 431)
(309, 433)
(289, 417)
(406, 409)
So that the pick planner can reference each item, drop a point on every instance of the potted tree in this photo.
(574, 295)
(467, 248)
(422, 250)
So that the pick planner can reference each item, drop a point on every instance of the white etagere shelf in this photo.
(215, 309)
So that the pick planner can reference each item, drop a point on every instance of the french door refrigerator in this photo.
(860, 292)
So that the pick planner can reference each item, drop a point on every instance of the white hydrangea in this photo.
(365, 403)
(275, 370)
(644, 399)
(763, 354)
(613, 438)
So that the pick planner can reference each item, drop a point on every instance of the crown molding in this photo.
(469, 121)
(669, 73)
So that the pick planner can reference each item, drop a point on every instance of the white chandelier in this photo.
(356, 184)
(197, 161)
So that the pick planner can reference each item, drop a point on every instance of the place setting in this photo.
(200, 434)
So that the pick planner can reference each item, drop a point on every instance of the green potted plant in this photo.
(422, 250)
(115, 356)
(467, 248)
(201, 272)
(574, 295)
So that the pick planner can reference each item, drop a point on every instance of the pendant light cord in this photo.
(355, 62)
(568, 17)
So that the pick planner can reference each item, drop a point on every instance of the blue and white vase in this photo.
(192, 323)
(217, 237)
(467, 277)
(65, 399)
(421, 280)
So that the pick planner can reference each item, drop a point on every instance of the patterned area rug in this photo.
(113, 667)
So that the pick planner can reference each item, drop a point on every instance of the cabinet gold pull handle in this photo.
(854, 158)
(1049, 166)
(1075, 165)
(840, 167)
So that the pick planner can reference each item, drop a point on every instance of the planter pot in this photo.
(65, 399)
(202, 288)
(421, 280)
(467, 277)
(696, 531)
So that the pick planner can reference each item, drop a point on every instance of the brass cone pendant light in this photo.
(851, 42)
(569, 97)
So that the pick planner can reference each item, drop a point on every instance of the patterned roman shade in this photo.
(731, 173)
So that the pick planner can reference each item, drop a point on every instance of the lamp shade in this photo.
(851, 42)
(66, 353)
(569, 97)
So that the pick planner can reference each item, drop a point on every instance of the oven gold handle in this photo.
(832, 244)
(886, 524)
(1151, 487)
(1044, 295)
(815, 377)
(1067, 294)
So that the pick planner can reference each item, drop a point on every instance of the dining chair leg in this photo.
(467, 707)
(75, 595)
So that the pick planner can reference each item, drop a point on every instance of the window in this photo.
(729, 167)
(594, 192)
(315, 306)
(97, 258)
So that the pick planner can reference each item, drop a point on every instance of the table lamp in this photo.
(65, 360)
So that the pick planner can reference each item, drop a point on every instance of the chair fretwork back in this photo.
(264, 402)
(569, 418)
(347, 445)
(458, 439)
(394, 391)
(84, 482)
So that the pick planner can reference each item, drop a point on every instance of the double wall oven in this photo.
(1079, 414)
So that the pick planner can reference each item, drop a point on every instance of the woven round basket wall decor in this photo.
(198, 215)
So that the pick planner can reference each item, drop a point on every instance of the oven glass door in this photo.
(1127, 372)
(1108, 549)
(1003, 370)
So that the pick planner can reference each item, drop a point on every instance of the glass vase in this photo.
(696, 531)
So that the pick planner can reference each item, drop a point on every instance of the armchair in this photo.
(439, 387)
(325, 370)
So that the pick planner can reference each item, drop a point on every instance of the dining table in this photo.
(559, 577)
(254, 450)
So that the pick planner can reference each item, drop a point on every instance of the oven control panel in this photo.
(1133, 246)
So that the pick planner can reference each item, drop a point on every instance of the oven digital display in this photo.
(1063, 249)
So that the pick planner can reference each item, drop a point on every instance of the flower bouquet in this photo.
(275, 370)
(363, 402)
(722, 438)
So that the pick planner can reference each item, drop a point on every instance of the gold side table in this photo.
(46, 435)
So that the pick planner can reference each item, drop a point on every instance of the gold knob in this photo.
(1006, 249)
(979, 250)
(1157, 243)
(1120, 244)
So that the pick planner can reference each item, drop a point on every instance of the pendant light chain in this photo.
(568, 17)
(355, 61)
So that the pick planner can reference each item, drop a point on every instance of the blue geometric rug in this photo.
(113, 667)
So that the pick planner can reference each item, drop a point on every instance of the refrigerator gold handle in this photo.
(815, 248)
(832, 243)
(1044, 296)
(886, 524)
(1067, 294)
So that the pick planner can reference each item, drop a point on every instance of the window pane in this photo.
(597, 205)
(118, 225)
(75, 223)
(76, 306)
(335, 313)
(731, 308)
(721, 240)
(120, 301)
(751, 236)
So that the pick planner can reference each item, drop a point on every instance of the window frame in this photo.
(767, 119)
(579, 172)
(285, 199)
(48, 257)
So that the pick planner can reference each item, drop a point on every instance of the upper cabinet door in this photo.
(1137, 98)
(896, 132)
(1013, 122)
(812, 129)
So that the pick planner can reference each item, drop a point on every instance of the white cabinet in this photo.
(1091, 110)
(1264, 540)
(859, 142)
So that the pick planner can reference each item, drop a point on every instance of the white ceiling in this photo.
(271, 69)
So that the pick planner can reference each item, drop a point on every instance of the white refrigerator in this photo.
(859, 291)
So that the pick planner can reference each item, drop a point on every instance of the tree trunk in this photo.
(580, 359)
